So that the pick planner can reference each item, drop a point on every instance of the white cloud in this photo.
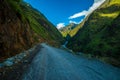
(75, 21)
(60, 25)
(78, 14)
(96, 4)
(81, 20)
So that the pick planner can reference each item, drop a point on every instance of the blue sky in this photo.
(63, 12)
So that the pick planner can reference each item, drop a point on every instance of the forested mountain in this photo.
(100, 35)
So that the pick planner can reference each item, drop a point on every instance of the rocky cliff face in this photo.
(15, 35)
(20, 29)
(99, 36)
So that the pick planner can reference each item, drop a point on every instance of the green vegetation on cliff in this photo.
(22, 26)
(100, 35)
(67, 29)
(72, 28)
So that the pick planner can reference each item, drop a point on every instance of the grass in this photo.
(112, 2)
(26, 27)
(110, 15)
(40, 25)
(99, 36)
(15, 4)
(71, 32)
(74, 31)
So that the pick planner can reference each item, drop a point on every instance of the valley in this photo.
(32, 48)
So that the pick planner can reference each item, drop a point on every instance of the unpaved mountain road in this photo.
(56, 64)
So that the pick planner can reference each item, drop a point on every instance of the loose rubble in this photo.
(16, 59)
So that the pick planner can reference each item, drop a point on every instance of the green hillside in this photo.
(79, 26)
(72, 28)
(67, 29)
(22, 26)
(100, 35)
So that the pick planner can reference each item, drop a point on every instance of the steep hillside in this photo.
(75, 30)
(79, 26)
(21, 26)
(67, 29)
(100, 35)
(72, 28)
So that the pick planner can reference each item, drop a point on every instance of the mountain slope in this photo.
(100, 35)
(72, 28)
(79, 26)
(67, 29)
(21, 27)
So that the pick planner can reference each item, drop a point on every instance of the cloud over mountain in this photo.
(95, 5)
(60, 25)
